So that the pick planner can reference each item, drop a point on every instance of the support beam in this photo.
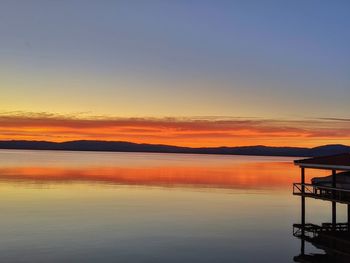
(348, 206)
(302, 180)
(302, 175)
(334, 204)
(302, 247)
(302, 210)
(334, 214)
(302, 196)
(334, 178)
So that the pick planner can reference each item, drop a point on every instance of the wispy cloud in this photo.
(335, 119)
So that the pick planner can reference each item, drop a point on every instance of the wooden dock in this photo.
(332, 237)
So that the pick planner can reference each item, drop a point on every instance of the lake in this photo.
(61, 206)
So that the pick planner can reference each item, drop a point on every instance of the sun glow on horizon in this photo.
(193, 132)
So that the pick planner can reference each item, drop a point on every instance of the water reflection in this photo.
(244, 176)
(331, 237)
(123, 207)
(172, 170)
(335, 242)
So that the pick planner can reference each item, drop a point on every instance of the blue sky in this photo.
(270, 59)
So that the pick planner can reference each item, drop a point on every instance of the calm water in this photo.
(138, 207)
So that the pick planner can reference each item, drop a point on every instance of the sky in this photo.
(192, 73)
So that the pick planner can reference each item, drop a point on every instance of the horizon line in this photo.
(172, 145)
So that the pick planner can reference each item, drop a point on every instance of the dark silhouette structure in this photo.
(332, 237)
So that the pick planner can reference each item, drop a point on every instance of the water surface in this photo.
(145, 207)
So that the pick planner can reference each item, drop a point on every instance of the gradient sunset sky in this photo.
(192, 73)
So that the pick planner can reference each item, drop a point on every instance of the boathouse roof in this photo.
(332, 162)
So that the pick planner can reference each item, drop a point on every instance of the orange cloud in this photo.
(218, 131)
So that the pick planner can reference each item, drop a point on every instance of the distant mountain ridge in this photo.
(121, 146)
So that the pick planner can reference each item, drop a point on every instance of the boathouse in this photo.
(332, 237)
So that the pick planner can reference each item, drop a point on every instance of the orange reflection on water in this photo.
(245, 175)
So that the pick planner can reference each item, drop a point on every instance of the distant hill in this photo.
(118, 146)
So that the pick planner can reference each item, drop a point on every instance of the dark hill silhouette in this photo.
(120, 146)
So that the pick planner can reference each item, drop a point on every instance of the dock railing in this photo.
(312, 230)
(322, 192)
(329, 237)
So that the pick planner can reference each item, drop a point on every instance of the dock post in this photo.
(348, 206)
(302, 248)
(302, 180)
(302, 196)
(334, 204)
